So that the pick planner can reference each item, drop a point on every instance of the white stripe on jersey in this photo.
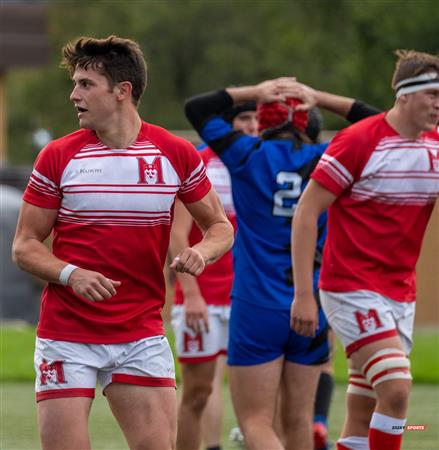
(399, 172)
(194, 178)
(336, 170)
(102, 186)
(42, 184)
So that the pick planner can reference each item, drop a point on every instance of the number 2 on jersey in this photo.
(285, 200)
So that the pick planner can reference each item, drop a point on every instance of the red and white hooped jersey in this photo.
(386, 188)
(115, 208)
(216, 281)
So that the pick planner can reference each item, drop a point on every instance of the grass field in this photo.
(19, 432)
(17, 408)
(17, 346)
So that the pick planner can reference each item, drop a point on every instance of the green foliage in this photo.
(344, 46)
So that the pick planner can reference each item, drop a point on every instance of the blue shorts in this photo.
(258, 335)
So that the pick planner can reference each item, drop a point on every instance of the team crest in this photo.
(52, 373)
(369, 321)
(150, 172)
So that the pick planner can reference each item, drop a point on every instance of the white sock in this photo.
(355, 442)
(387, 424)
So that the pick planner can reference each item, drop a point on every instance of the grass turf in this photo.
(17, 346)
(18, 430)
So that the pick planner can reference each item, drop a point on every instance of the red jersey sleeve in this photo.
(195, 184)
(43, 189)
(344, 159)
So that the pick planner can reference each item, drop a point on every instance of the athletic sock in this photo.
(385, 432)
(353, 443)
(323, 398)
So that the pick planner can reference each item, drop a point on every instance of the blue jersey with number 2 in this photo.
(268, 177)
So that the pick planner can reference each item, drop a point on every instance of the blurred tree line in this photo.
(344, 46)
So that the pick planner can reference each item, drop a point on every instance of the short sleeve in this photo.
(195, 184)
(342, 162)
(43, 189)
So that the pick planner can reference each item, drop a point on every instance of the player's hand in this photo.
(305, 93)
(189, 261)
(304, 315)
(275, 90)
(92, 286)
(196, 313)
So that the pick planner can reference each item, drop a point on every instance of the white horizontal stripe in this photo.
(44, 191)
(339, 166)
(116, 222)
(101, 153)
(118, 213)
(43, 186)
(144, 188)
(46, 180)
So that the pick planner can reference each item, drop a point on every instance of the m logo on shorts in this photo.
(52, 373)
(369, 321)
(150, 173)
(192, 344)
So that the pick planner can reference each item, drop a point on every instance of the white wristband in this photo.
(65, 274)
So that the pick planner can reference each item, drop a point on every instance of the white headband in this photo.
(428, 80)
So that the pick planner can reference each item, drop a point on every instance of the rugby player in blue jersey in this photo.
(268, 174)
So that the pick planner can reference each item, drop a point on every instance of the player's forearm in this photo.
(335, 103)
(243, 93)
(353, 110)
(304, 241)
(34, 257)
(217, 240)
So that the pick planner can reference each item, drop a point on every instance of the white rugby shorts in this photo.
(72, 369)
(204, 346)
(361, 317)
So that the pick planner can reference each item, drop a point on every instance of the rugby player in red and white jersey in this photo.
(107, 193)
(380, 180)
(201, 311)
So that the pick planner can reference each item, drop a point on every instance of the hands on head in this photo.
(279, 89)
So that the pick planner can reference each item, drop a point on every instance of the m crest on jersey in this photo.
(433, 156)
(150, 172)
(369, 321)
(192, 343)
(52, 373)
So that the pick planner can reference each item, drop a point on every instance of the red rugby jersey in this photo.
(215, 282)
(386, 187)
(115, 208)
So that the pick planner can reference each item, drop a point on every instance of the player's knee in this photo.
(388, 372)
(197, 398)
(394, 394)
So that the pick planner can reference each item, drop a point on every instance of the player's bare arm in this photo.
(315, 199)
(29, 252)
(218, 235)
(195, 308)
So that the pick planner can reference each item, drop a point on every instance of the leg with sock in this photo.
(388, 371)
(321, 410)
